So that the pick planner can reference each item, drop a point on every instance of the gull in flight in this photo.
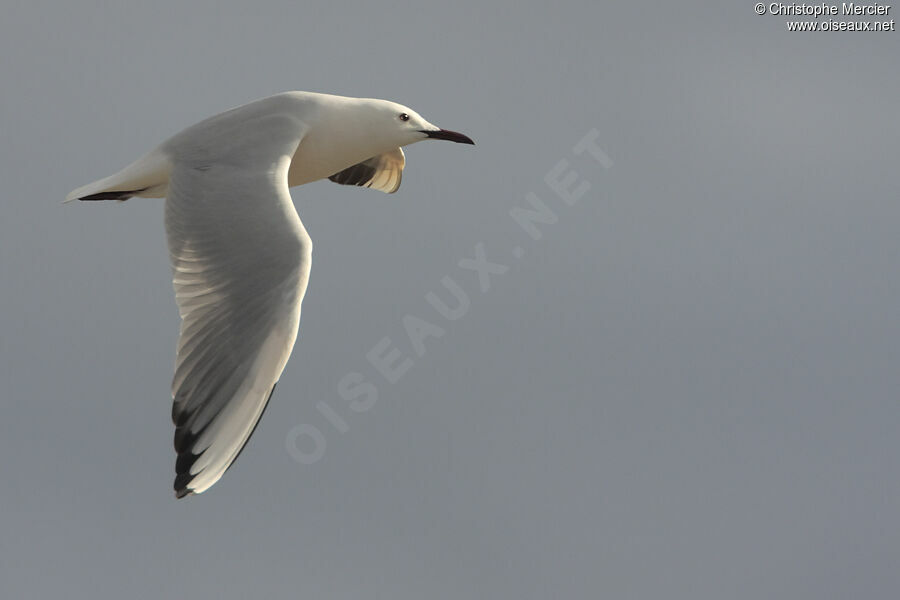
(240, 255)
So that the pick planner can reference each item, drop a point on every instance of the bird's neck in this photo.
(340, 139)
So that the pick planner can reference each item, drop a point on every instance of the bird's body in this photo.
(240, 255)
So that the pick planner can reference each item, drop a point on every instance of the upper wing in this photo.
(382, 172)
(240, 258)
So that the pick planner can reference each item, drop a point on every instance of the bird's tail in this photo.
(148, 177)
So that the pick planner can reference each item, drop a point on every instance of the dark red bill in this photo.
(452, 136)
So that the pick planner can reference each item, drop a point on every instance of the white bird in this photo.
(240, 255)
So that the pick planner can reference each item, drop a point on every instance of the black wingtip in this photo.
(358, 174)
(115, 195)
(185, 461)
(184, 441)
(181, 482)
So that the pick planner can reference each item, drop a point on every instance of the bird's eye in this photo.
(404, 117)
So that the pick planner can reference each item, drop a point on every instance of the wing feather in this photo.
(383, 172)
(240, 259)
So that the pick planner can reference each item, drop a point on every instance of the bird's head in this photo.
(403, 126)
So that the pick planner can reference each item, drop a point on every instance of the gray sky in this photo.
(686, 388)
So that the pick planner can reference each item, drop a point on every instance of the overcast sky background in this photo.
(687, 388)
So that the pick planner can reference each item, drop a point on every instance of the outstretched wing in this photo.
(382, 172)
(240, 258)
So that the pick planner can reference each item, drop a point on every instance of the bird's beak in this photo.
(446, 134)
